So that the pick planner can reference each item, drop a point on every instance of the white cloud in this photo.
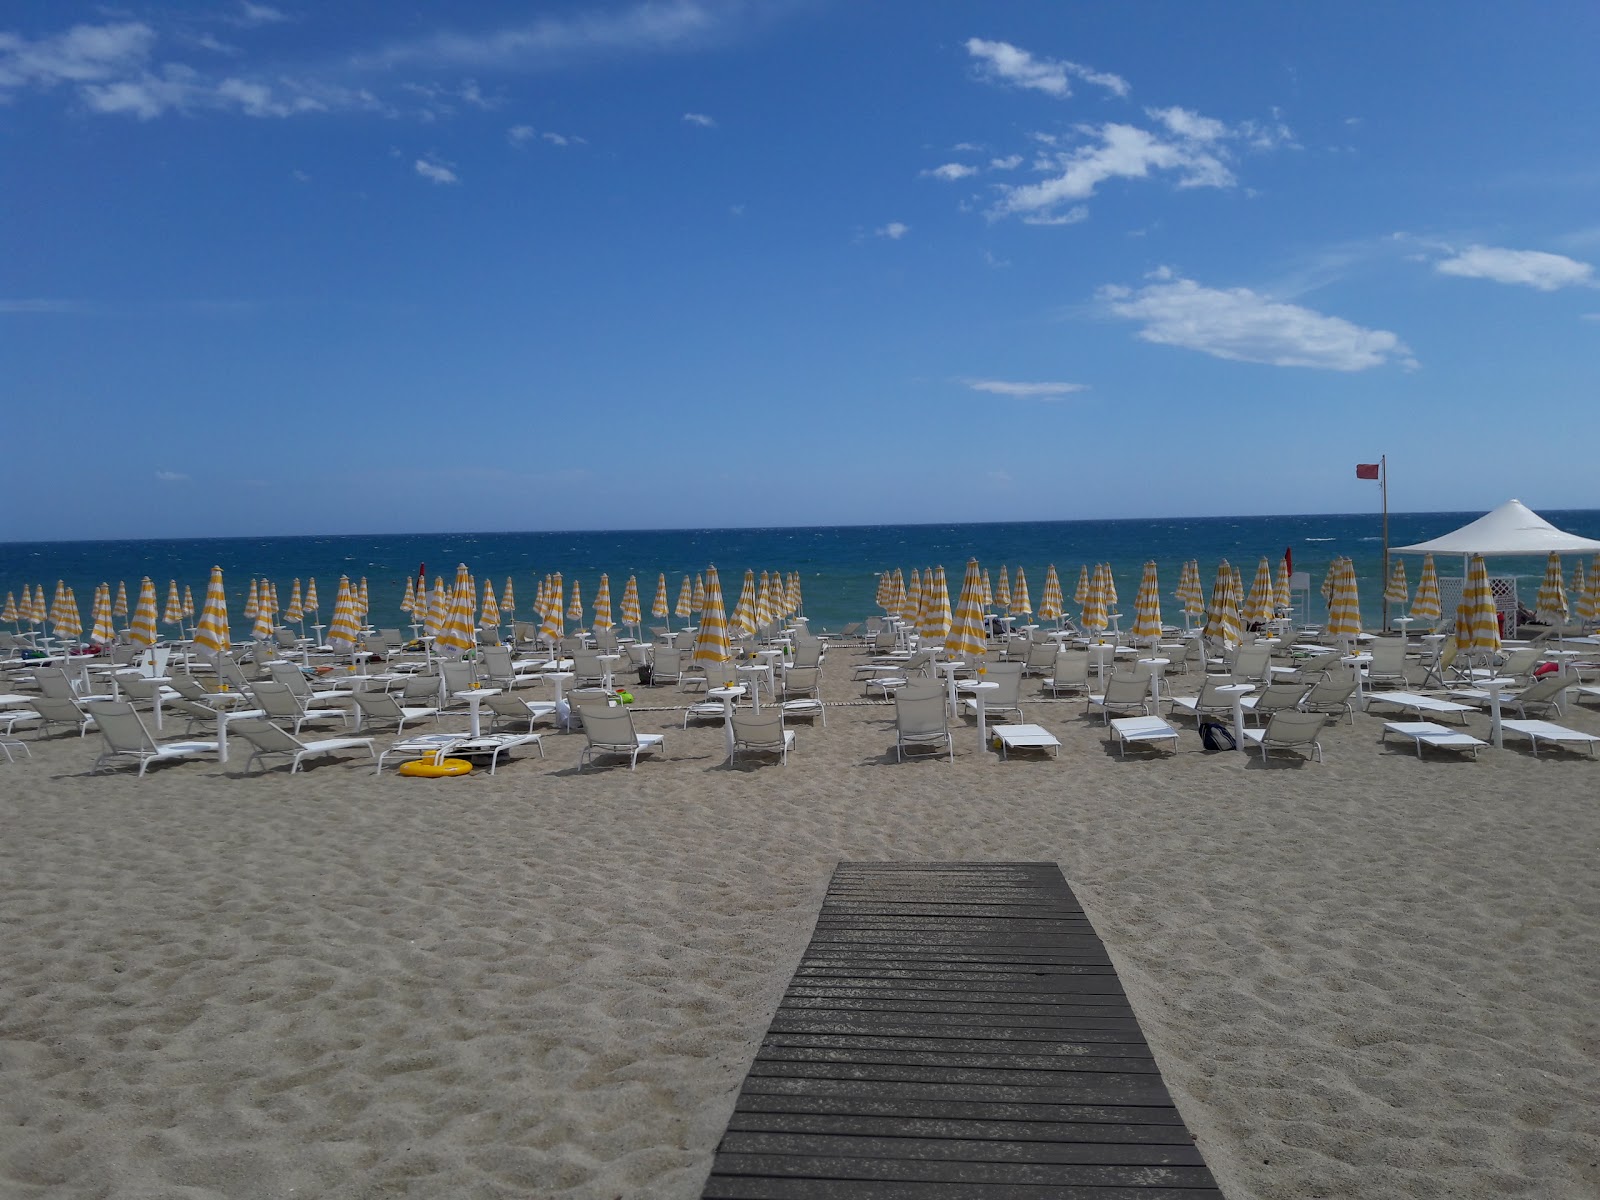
(700, 119)
(1070, 217)
(1245, 326)
(556, 139)
(894, 230)
(435, 172)
(83, 54)
(256, 14)
(259, 100)
(519, 134)
(1003, 63)
(1531, 268)
(1009, 163)
(1594, 316)
(951, 171)
(29, 305)
(171, 476)
(1025, 391)
(300, 176)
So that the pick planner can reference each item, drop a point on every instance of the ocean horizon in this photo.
(838, 564)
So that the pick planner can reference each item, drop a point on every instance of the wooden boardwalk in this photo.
(955, 1031)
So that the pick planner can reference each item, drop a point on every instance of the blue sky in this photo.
(298, 268)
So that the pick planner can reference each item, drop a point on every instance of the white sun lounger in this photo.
(1025, 736)
(1420, 704)
(1550, 732)
(1142, 729)
(1429, 733)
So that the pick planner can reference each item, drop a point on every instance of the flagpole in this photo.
(1383, 488)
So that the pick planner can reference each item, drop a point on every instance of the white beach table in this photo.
(1145, 729)
(1355, 662)
(226, 715)
(1237, 692)
(755, 673)
(1157, 666)
(949, 667)
(727, 695)
(607, 662)
(1428, 733)
(1494, 686)
(1100, 655)
(474, 698)
(979, 689)
(1025, 737)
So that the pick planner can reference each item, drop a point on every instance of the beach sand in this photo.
(1369, 977)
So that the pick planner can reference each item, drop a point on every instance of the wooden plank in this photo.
(955, 1031)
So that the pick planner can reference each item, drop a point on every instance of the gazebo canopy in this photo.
(1513, 528)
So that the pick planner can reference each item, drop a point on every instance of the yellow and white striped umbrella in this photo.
(744, 613)
(897, 594)
(541, 596)
(311, 595)
(10, 612)
(797, 602)
(1019, 595)
(1396, 592)
(297, 605)
(711, 643)
(272, 592)
(602, 604)
(1108, 583)
(143, 629)
(630, 603)
(575, 609)
(188, 599)
(885, 589)
(1080, 594)
(988, 590)
(24, 610)
(553, 627)
(489, 616)
(1050, 603)
(1238, 589)
(936, 606)
(1476, 625)
(1258, 605)
(408, 602)
(1427, 604)
(1147, 606)
(659, 608)
(252, 601)
(363, 606)
(1586, 593)
(120, 608)
(1190, 593)
(438, 607)
(1552, 601)
(914, 597)
(1280, 592)
(1344, 610)
(1222, 614)
(1002, 595)
(1328, 581)
(211, 631)
(457, 636)
(685, 606)
(699, 592)
(508, 601)
(769, 603)
(965, 639)
(41, 610)
(101, 628)
(261, 628)
(345, 625)
(64, 615)
(1093, 610)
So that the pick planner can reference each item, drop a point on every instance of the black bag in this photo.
(646, 673)
(1216, 736)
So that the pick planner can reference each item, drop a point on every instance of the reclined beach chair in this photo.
(278, 703)
(384, 709)
(920, 720)
(801, 692)
(1544, 696)
(762, 733)
(1122, 695)
(127, 738)
(1289, 729)
(271, 742)
(609, 730)
(517, 714)
(52, 711)
(1331, 697)
(1273, 699)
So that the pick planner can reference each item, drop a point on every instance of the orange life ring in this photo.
(427, 768)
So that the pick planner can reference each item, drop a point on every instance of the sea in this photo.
(838, 565)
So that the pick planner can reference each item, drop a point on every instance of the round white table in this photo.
(1100, 655)
(1157, 666)
(1493, 687)
(755, 673)
(979, 689)
(1237, 691)
(950, 666)
(727, 695)
(474, 697)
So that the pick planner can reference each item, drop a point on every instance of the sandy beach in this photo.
(1374, 976)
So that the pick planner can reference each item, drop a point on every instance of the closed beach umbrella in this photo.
(988, 590)
(552, 626)
(914, 598)
(1280, 593)
(490, 616)
(700, 592)
(1396, 592)
(966, 637)
(211, 631)
(100, 619)
(1586, 593)
(143, 630)
(457, 636)
(41, 611)
(1258, 605)
(1050, 603)
(508, 601)
(744, 613)
(685, 606)
(344, 628)
(1191, 594)
(120, 608)
(575, 609)
(1019, 595)
(1108, 585)
(797, 602)
(1327, 581)
(438, 607)
(64, 615)
(252, 602)
(1427, 605)
(939, 608)
(1238, 589)
(602, 604)
(1344, 609)
(9, 612)
(1002, 595)
(363, 606)
(630, 603)
(1222, 614)
(311, 595)
(659, 608)
(1094, 604)
(188, 599)
(297, 605)
(769, 604)
(24, 610)
(1080, 594)
(1147, 606)
(711, 643)
(261, 627)
(408, 602)
(1552, 601)
(885, 588)
(1476, 626)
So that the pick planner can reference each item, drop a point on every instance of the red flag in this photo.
(1366, 470)
(1288, 558)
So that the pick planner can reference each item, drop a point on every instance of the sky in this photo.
(298, 268)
